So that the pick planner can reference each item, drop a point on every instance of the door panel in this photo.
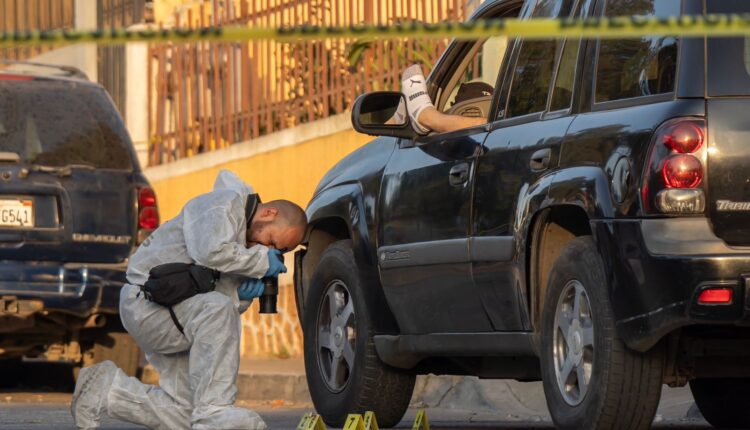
(505, 176)
(424, 223)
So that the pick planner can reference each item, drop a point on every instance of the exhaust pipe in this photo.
(95, 321)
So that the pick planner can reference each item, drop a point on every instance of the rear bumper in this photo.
(657, 269)
(76, 289)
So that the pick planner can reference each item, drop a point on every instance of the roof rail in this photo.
(32, 67)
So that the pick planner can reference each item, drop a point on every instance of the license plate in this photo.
(16, 213)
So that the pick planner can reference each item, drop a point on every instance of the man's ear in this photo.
(267, 214)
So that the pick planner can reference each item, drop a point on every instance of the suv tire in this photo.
(723, 401)
(621, 388)
(343, 370)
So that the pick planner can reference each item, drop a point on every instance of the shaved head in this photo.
(289, 213)
(279, 224)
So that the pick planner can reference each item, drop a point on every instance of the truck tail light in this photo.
(148, 213)
(715, 296)
(674, 174)
(682, 171)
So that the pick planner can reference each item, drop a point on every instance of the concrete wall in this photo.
(288, 165)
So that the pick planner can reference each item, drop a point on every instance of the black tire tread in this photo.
(383, 389)
(633, 380)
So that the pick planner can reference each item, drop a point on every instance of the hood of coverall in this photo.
(229, 181)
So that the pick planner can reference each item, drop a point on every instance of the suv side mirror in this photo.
(377, 114)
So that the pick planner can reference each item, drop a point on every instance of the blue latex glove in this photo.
(250, 289)
(275, 263)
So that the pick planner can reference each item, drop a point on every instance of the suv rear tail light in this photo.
(148, 213)
(673, 177)
(684, 137)
(682, 171)
(715, 296)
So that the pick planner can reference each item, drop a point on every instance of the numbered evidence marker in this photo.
(371, 423)
(420, 421)
(354, 422)
(311, 421)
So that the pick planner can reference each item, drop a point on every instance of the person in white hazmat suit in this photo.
(197, 368)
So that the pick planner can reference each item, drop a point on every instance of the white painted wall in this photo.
(136, 105)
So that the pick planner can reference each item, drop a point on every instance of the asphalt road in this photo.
(49, 411)
(21, 410)
(41, 399)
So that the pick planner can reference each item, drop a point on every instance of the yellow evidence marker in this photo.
(420, 421)
(311, 421)
(371, 423)
(354, 422)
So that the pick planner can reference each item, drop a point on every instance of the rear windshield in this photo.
(729, 57)
(58, 123)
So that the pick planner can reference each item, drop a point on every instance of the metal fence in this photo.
(24, 15)
(204, 97)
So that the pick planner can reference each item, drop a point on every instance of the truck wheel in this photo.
(118, 347)
(723, 401)
(591, 379)
(344, 373)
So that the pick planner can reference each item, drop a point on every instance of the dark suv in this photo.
(73, 207)
(594, 234)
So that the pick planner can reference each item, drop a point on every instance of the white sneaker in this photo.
(90, 396)
(414, 88)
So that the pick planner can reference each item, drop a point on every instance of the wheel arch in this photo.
(340, 213)
(575, 196)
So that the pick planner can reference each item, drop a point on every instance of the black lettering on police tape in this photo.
(639, 21)
(464, 27)
(183, 33)
(686, 21)
(592, 23)
(616, 22)
(71, 35)
(333, 30)
(358, 28)
(430, 27)
(146, 34)
(284, 31)
(309, 29)
(383, 28)
(744, 19)
(498, 24)
(211, 31)
(712, 20)
(23, 36)
(3, 36)
(568, 22)
(47, 35)
(96, 34)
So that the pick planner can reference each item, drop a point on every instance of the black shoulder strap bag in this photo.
(171, 283)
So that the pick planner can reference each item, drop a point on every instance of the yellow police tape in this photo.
(610, 27)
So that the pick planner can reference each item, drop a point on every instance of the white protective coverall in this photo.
(198, 370)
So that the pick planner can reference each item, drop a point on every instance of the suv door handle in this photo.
(459, 174)
(540, 160)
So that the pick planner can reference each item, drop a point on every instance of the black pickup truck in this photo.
(73, 207)
(594, 234)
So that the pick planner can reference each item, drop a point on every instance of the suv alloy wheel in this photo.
(344, 373)
(591, 379)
